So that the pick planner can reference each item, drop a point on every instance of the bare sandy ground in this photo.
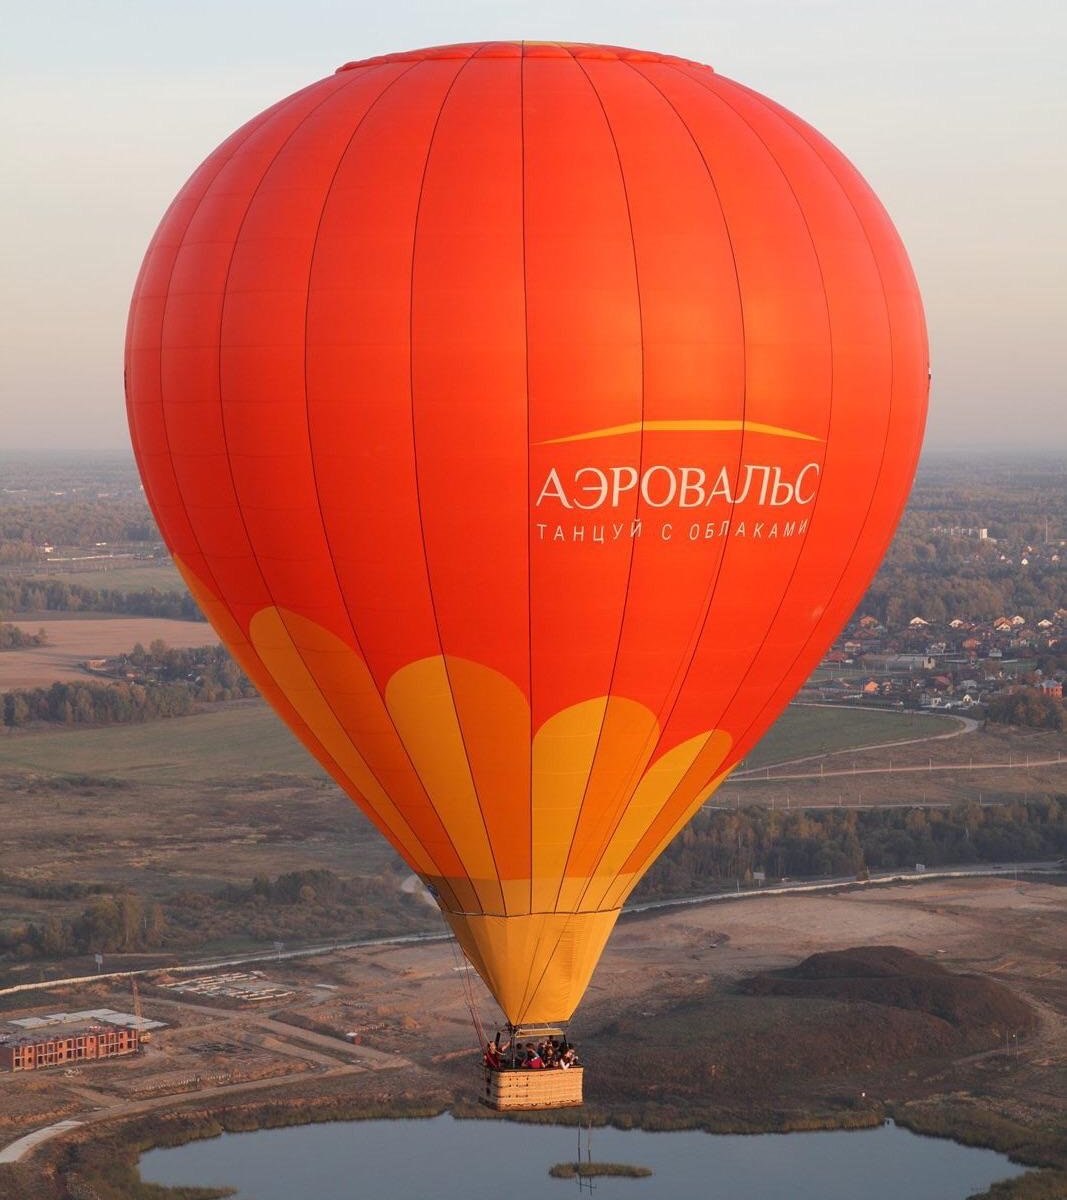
(72, 641)
(1008, 931)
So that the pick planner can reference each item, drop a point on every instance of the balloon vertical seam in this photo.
(418, 496)
(640, 461)
(830, 406)
(529, 439)
(889, 322)
(892, 373)
(277, 111)
(357, 78)
(530, 992)
(889, 415)
(311, 451)
(683, 673)
(687, 74)
(889, 326)
(254, 127)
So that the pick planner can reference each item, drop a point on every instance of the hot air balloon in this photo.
(527, 418)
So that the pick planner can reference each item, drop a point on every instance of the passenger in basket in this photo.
(492, 1057)
(534, 1062)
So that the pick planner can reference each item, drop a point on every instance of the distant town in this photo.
(958, 664)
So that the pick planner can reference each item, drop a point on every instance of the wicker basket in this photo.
(517, 1090)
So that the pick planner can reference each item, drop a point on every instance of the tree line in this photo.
(76, 520)
(1029, 707)
(121, 921)
(39, 595)
(14, 638)
(164, 683)
(95, 703)
(298, 905)
(940, 591)
(719, 847)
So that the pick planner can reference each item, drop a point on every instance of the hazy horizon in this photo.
(950, 111)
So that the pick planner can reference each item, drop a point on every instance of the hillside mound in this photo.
(840, 1020)
(891, 976)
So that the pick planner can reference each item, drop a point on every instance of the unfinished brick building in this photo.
(61, 1047)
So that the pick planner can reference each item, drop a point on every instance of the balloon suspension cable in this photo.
(464, 969)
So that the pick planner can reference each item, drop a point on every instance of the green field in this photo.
(804, 730)
(136, 578)
(247, 740)
(235, 742)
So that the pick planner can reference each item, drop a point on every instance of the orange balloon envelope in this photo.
(527, 418)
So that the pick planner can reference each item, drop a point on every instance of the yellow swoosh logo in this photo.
(684, 426)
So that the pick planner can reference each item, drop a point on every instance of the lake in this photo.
(447, 1159)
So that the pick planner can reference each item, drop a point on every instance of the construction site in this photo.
(38, 1041)
(67, 1043)
(80, 1053)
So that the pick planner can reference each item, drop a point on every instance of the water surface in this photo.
(446, 1159)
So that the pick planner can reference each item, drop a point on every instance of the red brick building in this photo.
(60, 1047)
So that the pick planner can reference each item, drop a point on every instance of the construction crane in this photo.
(143, 1035)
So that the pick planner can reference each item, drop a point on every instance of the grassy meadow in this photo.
(238, 740)
(140, 577)
(804, 730)
(233, 741)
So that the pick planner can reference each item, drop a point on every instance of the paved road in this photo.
(18, 1150)
(15, 1150)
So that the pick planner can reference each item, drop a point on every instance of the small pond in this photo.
(447, 1159)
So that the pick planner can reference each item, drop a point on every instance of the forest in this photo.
(932, 573)
(39, 595)
(1028, 707)
(297, 906)
(939, 589)
(720, 847)
(72, 519)
(96, 703)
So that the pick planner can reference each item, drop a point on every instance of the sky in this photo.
(956, 113)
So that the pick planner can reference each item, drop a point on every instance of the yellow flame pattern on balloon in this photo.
(444, 764)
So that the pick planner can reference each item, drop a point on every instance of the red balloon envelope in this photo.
(527, 418)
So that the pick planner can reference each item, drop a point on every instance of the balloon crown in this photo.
(524, 50)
